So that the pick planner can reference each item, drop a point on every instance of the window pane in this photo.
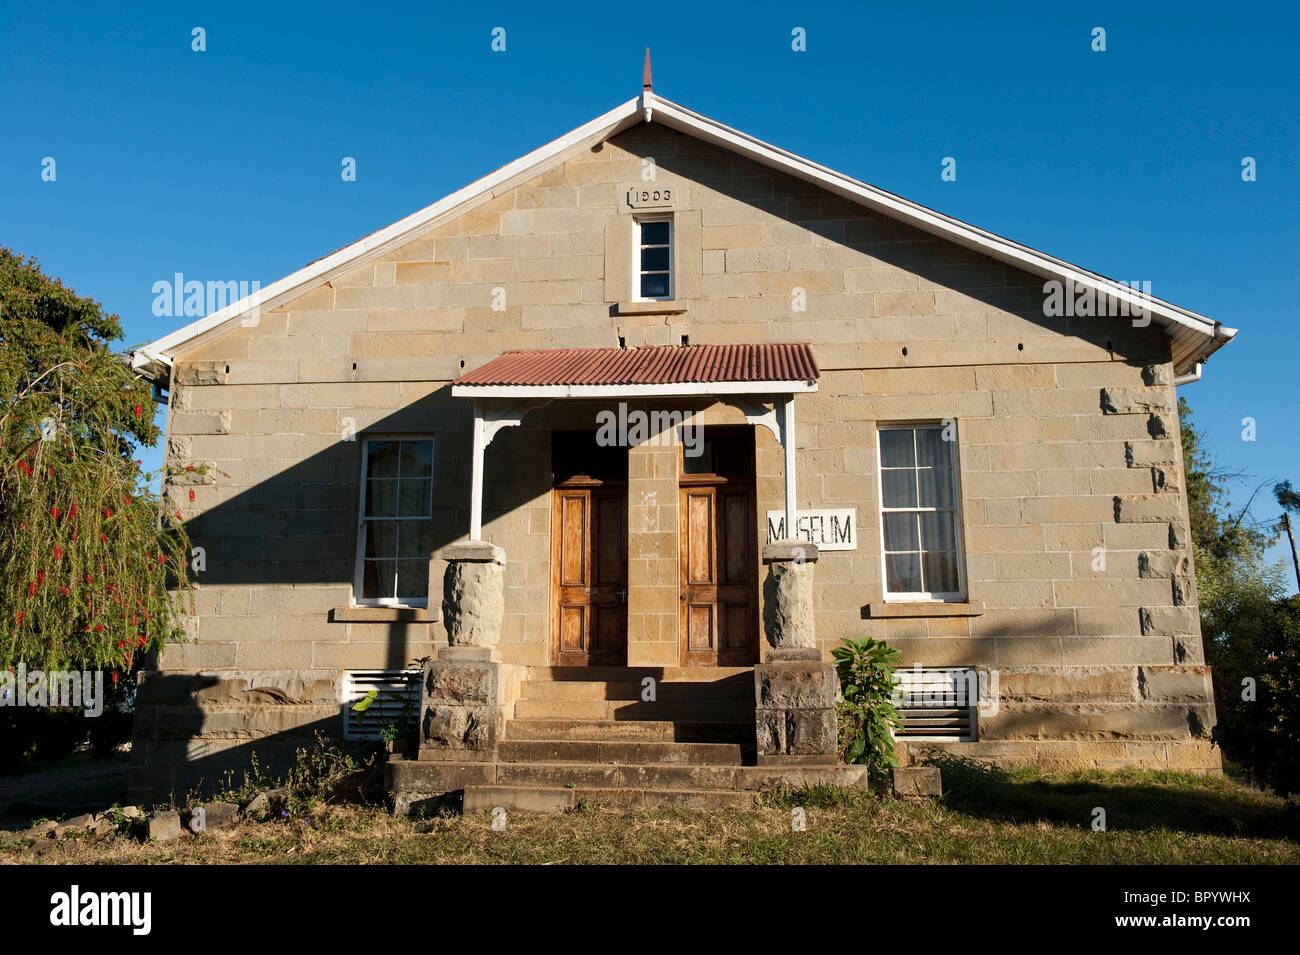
(702, 463)
(415, 499)
(931, 449)
(896, 449)
(381, 498)
(654, 233)
(654, 260)
(379, 578)
(938, 531)
(381, 459)
(654, 286)
(936, 487)
(417, 459)
(412, 579)
(381, 539)
(903, 573)
(899, 487)
(415, 539)
(900, 532)
(941, 572)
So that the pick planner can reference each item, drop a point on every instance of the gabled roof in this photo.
(1194, 337)
(654, 365)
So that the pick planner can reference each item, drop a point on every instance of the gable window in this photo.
(920, 518)
(395, 535)
(653, 268)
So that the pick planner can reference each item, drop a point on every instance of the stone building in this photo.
(611, 436)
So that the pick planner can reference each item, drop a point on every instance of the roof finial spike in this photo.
(645, 80)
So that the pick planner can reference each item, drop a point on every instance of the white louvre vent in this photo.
(937, 703)
(395, 692)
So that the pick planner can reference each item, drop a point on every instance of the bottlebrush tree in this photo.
(93, 571)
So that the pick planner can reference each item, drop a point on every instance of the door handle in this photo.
(681, 596)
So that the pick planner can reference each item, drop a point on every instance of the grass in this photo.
(986, 816)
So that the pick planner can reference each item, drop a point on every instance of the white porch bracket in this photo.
(778, 419)
(490, 417)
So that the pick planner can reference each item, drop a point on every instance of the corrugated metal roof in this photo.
(648, 365)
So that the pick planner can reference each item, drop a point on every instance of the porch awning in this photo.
(648, 370)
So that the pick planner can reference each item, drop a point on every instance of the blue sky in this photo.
(225, 164)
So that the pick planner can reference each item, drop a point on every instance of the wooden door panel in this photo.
(589, 576)
(573, 539)
(699, 624)
(699, 532)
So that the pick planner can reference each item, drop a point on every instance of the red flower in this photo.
(99, 628)
(191, 494)
(90, 579)
(73, 512)
(136, 410)
(64, 591)
(162, 558)
(58, 552)
(140, 641)
(121, 645)
(126, 499)
(189, 467)
(107, 513)
(54, 513)
(114, 677)
(40, 576)
(110, 588)
(19, 617)
(31, 589)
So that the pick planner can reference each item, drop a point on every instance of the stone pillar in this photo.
(788, 616)
(794, 690)
(465, 696)
(473, 593)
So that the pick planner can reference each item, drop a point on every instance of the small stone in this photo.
(265, 802)
(165, 825)
(216, 815)
(917, 781)
(84, 821)
(132, 813)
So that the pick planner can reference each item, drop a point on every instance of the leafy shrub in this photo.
(1262, 734)
(866, 717)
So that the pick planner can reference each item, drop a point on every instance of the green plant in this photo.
(866, 717)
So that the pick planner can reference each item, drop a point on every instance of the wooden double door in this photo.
(718, 571)
(718, 562)
(589, 575)
(718, 622)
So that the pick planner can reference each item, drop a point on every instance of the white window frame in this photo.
(958, 595)
(637, 247)
(359, 570)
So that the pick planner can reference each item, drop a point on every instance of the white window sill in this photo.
(925, 608)
(384, 614)
(652, 307)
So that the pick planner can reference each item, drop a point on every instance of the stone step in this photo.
(535, 799)
(651, 731)
(609, 753)
(523, 799)
(661, 798)
(722, 710)
(637, 674)
(415, 778)
(665, 692)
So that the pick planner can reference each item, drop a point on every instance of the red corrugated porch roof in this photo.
(648, 365)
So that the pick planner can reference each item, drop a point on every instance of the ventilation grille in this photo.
(396, 692)
(937, 703)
